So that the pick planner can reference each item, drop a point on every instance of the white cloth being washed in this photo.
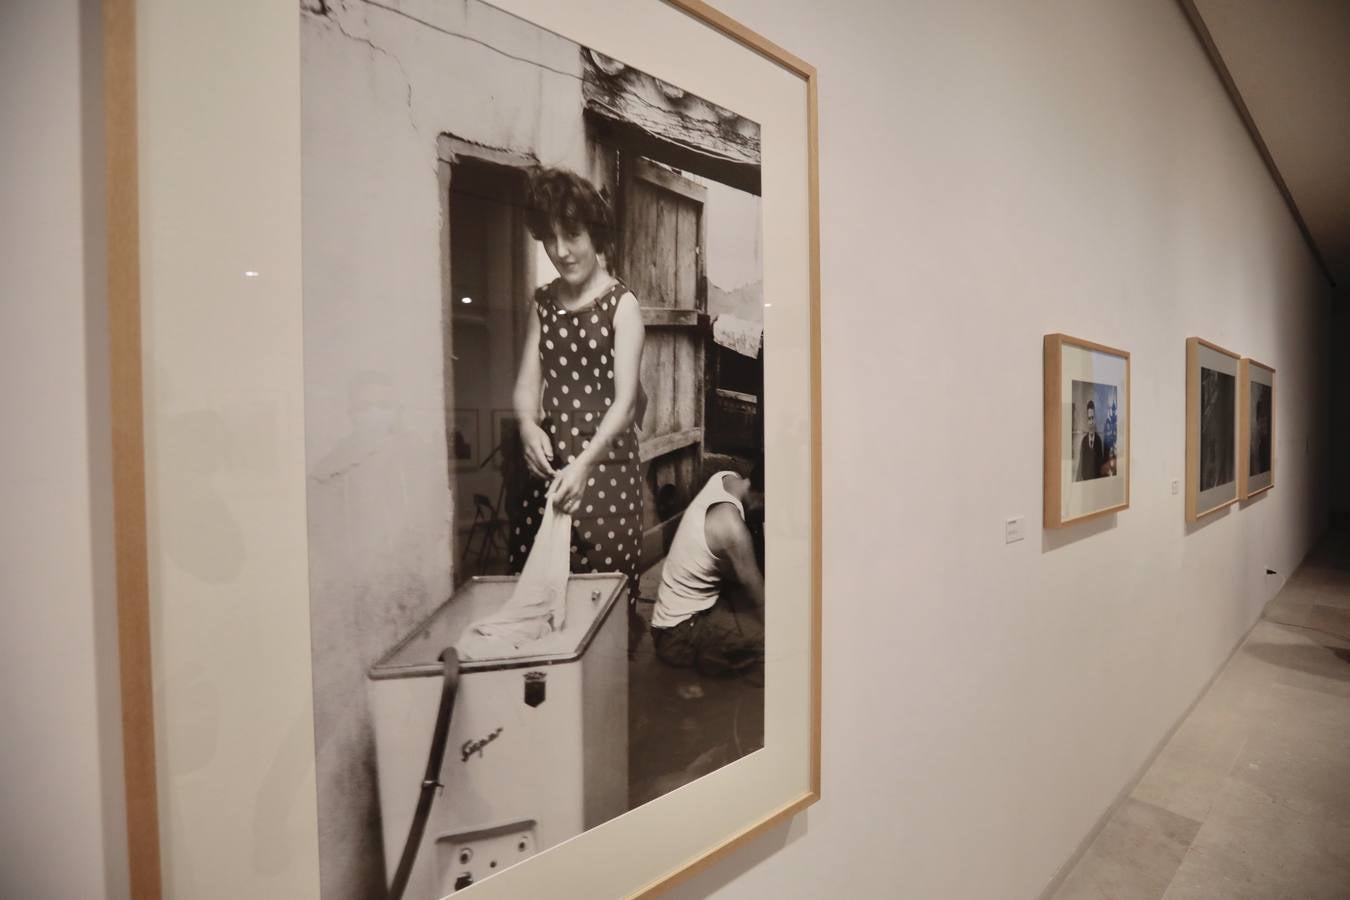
(740, 335)
(538, 606)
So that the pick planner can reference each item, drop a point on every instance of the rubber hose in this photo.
(431, 779)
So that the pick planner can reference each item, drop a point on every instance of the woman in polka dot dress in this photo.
(577, 393)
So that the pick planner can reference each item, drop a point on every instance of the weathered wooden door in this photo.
(661, 260)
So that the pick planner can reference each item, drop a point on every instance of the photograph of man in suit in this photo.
(1091, 453)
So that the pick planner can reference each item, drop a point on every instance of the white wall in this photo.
(379, 88)
(991, 172)
(61, 805)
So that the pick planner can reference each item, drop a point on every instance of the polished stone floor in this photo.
(1250, 799)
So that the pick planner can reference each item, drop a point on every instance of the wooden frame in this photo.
(1054, 405)
(135, 559)
(128, 449)
(1245, 425)
(1197, 506)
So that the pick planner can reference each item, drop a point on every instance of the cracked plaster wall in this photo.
(380, 83)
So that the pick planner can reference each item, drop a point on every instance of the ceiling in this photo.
(1289, 62)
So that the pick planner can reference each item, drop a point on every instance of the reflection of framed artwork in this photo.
(1087, 430)
(464, 446)
(1256, 433)
(1211, 428)
(505, 430)
(365, 318)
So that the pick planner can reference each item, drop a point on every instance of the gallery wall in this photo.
(61, 800)
(989, 172)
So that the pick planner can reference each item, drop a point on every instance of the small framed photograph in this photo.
(465, 448)
(1256, 466)
(1087, 430)
(1212, 378)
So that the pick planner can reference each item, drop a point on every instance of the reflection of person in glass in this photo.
(1092, 452)
(577, 394)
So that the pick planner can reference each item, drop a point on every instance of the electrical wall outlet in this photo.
(1012, 530)
(1176, 486)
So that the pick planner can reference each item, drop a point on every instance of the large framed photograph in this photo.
(505, 578)
(1256, 433)
(1087, 430)
(1211, 428)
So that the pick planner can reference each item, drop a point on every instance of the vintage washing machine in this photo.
(537, 744)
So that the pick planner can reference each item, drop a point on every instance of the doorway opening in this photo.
(491, 266)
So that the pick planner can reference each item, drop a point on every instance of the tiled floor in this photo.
(1250, 799)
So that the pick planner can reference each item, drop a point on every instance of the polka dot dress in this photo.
(576, 357)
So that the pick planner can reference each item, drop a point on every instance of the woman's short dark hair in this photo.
(564, 197)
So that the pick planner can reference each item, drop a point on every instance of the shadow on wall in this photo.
(1210, 518)
(1054, 538)
(711, 879)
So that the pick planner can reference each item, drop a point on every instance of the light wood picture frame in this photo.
(1086, 472)
(1212, 419)
(220, 794)
(1256, 431)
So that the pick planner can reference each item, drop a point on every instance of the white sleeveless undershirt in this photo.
(690, 581)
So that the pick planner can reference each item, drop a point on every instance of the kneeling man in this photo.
(713, 551)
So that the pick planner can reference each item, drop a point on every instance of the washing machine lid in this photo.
(590, 598)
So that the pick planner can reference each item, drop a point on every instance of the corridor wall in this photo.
(990, 172)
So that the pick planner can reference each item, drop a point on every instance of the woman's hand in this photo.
(569, 486)
(538, 450)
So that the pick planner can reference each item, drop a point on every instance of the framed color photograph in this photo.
(523, 289)
(1087, 430)
(1211, 428)
(1256, 433)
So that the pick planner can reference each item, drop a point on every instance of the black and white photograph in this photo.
(1256, 430)
(1217, 428)
(1215, 454)
(534, 374)
(1259, 441)
(1095, 416)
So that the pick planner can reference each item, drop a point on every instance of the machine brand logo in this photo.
(534, 688)
(469, 748)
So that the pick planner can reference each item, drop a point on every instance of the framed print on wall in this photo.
(1211, 428)
(1256, 433)
(449, 255)
(1087, 430)
(465, 448)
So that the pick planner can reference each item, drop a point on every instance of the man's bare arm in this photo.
(730, 539)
